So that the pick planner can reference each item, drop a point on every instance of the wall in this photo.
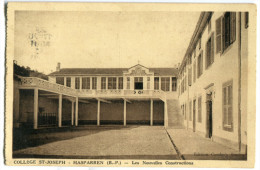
(224, 68)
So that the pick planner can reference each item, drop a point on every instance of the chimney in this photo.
(58, 67)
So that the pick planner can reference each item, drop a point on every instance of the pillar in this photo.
(98, 113)
(165, 114)
(35, 109)
(124, 112)
(72, 113)
(151, 113)
(77, 112)
(159, 83)
(60, 110)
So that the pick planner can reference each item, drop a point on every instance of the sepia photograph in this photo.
(128, 84)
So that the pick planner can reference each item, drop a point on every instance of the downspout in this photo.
(239, 81)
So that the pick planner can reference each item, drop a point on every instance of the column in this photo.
(151, 113)
(124, 112)
(77, 112)
(165, 114)
(35, 109)
(60, 110)
(98, 113)
(106, 83)
(80, 83)
(65, 81)
(90, 83)
(72, 113)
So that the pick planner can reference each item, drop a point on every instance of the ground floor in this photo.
(34, 108)
(118, 142)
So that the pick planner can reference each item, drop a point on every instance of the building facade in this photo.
(212, 80)
(97, 96)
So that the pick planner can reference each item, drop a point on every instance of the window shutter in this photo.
(218, 35)
(212, 49)
(223, 34)
(233, 27)
(190, 77)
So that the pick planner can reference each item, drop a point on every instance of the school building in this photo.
(213, 78)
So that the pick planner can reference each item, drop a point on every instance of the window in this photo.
(210, 51)
(128, 83)
(156, 83)
(60, 80)
(246, 19)
(200, 64)
(120, 83)
(209, 25)
(227, 106)
(228, 29)
(77, 82)
(218, 35)
(103, 82)
(111, 82)
(185, 113)
(165, 83)
(94, 82)
(68, 81)
(174, 83)
(190, 111)
(85, 82)
(194, 72)
(199, 110)
(148, 83)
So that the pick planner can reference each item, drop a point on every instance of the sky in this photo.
(102, 39)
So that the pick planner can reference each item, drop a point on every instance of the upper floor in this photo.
(215, 40)
(137, 78)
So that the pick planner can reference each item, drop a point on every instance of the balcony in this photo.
(34, 82)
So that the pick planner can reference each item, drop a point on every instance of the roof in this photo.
(110, 71)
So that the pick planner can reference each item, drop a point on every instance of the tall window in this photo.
(210, 51)
(85, 82)
(209, 25)
(190, 111)
(120, 83)
(94, 82)
(194, 71)
(200, 64)
(148, 83)
(246, 19)
(227, 106)
(128, 83)
(225, 31)
(77, 82)
(111, 82)
(68, 81)
(60, 80)
(174, 83)
(199, 110)
(165, 83)
(103, 82)
(156, 83)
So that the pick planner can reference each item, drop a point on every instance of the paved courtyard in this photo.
(118, 142)
(134, 142)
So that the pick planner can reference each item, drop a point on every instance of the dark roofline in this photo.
(201, 24)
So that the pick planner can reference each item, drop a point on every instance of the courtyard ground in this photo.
(118, 142)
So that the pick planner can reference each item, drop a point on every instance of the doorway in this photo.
(209, 116)
(138, 83)
(194, 115)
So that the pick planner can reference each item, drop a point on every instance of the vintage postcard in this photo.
(130, 84)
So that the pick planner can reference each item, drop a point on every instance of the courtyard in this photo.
(118, 142)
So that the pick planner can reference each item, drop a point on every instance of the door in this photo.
(138, 83)
(194, 115)
(209, 116)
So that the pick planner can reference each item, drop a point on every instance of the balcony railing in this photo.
(46, 85)
(34, 82)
